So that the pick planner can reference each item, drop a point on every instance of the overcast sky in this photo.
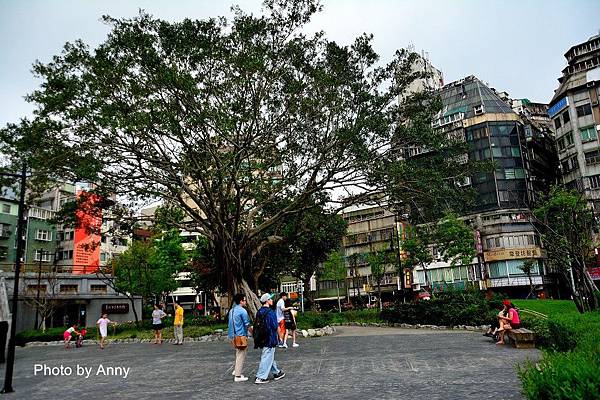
(514, 45)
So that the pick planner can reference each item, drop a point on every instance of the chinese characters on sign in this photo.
(510, 254)
(117, 308)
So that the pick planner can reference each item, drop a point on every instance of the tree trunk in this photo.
(241, 286)
(530, 286)
(379, 290)
(135, 314)
(337, 286)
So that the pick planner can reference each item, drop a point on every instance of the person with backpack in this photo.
(266, 338)
(237, 332)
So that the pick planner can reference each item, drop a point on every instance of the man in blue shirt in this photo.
(266, 338)
(238, 326)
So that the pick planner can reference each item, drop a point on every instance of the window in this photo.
(569, 139)
(35, 288)
(69, 235)
(588, 134)
(42, 234)
(561, 143)
(42, 255)
(102, 256)
(584, 110)
(566, 117)
(592, 157)
(557, 123)
(594, 181)
(4, 230)
(6, 208)
(68, 288)
(570, 165)
(66, 254)
(515, 152)
(98, 288)
(514, 173)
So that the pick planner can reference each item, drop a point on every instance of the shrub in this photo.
(446, 308)
(569, 368)
(572, 376)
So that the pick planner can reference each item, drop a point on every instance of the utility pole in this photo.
(37, 296)
(10, 358)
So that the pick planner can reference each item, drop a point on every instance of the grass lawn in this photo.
(551, 308)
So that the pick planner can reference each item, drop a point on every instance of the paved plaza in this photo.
(354, 363)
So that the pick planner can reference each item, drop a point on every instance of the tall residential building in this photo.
(575, 113)
(522, 152)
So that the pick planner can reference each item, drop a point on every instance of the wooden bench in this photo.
(522, 338)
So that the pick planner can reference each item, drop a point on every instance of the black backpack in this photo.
(260, 331)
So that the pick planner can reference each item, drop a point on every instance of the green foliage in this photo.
(126, 330)
(148, 268)
(334, 268)
(452, 238)
(446, 308)
(567, 222)
(312, 319)
(233, 117)
(569, 368)
(562, 376)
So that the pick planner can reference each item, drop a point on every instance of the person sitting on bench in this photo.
(509, 322)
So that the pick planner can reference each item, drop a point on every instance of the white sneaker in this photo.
(295, 345)
(240, 378)
(285, 346)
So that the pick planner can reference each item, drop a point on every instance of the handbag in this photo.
(239, 342)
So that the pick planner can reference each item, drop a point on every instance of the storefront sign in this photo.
(556, 108)
(594, 273)
(117, 308)
(514, 254)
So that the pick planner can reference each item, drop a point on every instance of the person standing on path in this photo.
(178, 323)
(102, 325)
(281, 309)
(157, 315)
(265, 338)
(239, 327)
(289, 316)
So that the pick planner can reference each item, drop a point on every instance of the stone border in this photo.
(219, 335)
(479, 328)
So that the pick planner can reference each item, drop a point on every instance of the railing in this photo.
(47, 267)
(40, 213)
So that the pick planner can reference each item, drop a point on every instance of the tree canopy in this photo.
(567, 223)
(224, 119)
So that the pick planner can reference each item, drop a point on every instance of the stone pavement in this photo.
(355, 363)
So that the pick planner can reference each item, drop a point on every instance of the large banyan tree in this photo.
(229, 119)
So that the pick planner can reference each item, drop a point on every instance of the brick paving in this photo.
(354, 363)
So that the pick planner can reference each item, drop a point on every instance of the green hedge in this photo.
(313, 319)
(570, 367)
(447, 309)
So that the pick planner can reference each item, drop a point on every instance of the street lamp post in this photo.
(10, 358)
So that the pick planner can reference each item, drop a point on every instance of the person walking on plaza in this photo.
(157, 315)
(289, 316)
(102, 325)
(178, 323)
(237, 332)
(281, 308)
(265, 338)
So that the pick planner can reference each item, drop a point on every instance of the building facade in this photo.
(575, 113)
(521, 148)
(79, 299)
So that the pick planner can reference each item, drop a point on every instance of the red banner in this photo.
(86, 245)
